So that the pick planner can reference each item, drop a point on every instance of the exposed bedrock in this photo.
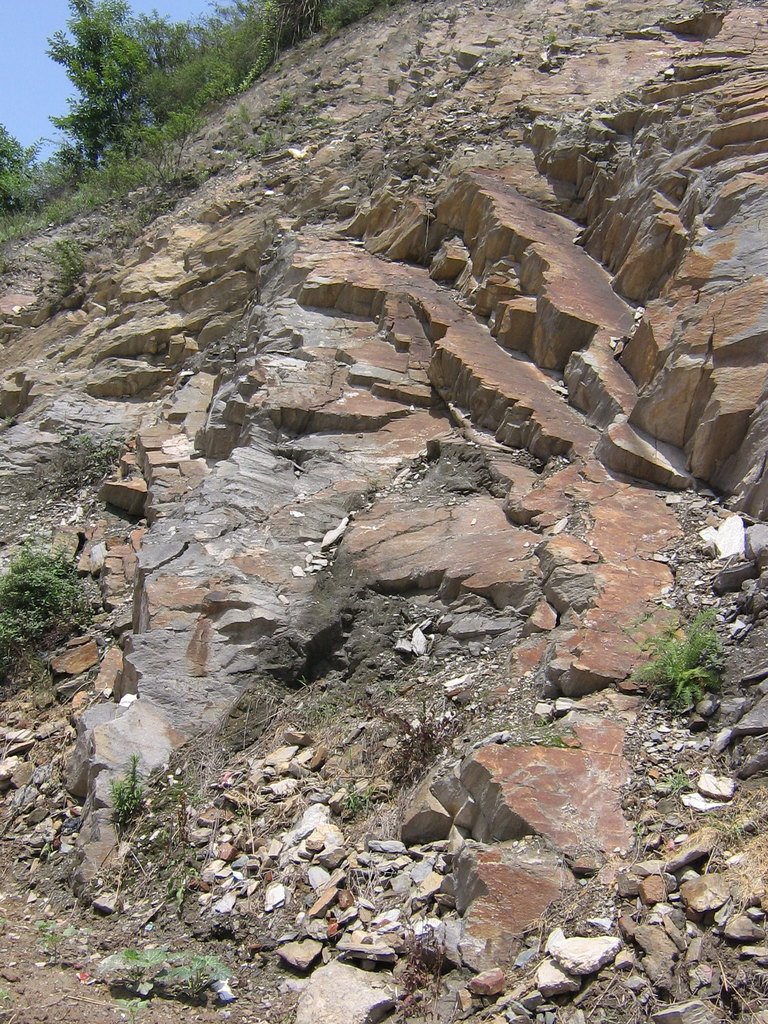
(429, 378)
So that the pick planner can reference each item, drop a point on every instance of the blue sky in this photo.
(32, 87)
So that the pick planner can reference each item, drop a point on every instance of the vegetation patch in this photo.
(127, 794)
(83, 460)
(141, 87)
(685, 661)
(42, 601)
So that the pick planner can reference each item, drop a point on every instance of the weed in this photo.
(267, 141)
(420, 980)
(194, 975)
(127, 794)
(52, 936)
(684, 662)
(83, 460)
(132, 1008)
(677, 782)
(284, 104)
(549, 38)
(358, 800)
(68, 261)
(136, 969)
(419, 741)
(41, 601)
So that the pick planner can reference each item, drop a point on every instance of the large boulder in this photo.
(339, 994)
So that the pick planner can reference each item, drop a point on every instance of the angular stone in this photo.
(552, 980)
(569, 795)
(128, 495)
(489, 983)
(581, 956)
(341, 994)
(692, 1012)
(499, 892)
(425, 819)
(741, 929)
(716, 787)
(76, 660)
(652, 890)
(300, 955)
(707, 893)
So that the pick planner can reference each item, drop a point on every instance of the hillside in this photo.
(386, 456)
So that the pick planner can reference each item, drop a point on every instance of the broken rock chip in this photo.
(340, 994)
(705, 894)
(692, 1012)
(551, 980)
(580, 955)
(489, 983)
(300, 955)
(716, 787)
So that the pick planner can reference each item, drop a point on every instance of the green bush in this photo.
(16, 174)
(685, 662)
(42, 601)
(127, 794)
(68, 261)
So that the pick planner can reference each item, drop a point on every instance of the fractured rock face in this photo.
(570, 796)
(500, 890)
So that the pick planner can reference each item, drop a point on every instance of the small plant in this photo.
(284, 104)
(420, 741)
(135, 969)
(357, 800)
(677, 782)
(52, 936)
(685, 662)
(424, 957)
(127, 794)
(41, 601)
(549, 38)
(68, 260)
(132, 1008)
(194, 975)
(83, 460)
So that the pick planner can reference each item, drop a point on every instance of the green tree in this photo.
(105, 62)
(16, 173)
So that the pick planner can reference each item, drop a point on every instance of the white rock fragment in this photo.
(716, 787)
(334, 535)
(580, 955)
(699, 803)
(727, 540)
(551, 980)
(275, 897)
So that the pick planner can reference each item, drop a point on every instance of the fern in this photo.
(685, 663)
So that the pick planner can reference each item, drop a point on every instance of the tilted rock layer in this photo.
(456, 346)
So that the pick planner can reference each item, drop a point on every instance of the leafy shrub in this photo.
(41, 601)
(136, 969)
(127, 794)
(143, 970)
(52, 937)
(684, 662)
(68, 262)
(16, 173)
(339, 13)
(83, 460)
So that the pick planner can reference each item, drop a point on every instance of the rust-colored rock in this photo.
(569, 796)
(76, 659)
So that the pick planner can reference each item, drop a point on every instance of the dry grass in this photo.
(738, 835)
